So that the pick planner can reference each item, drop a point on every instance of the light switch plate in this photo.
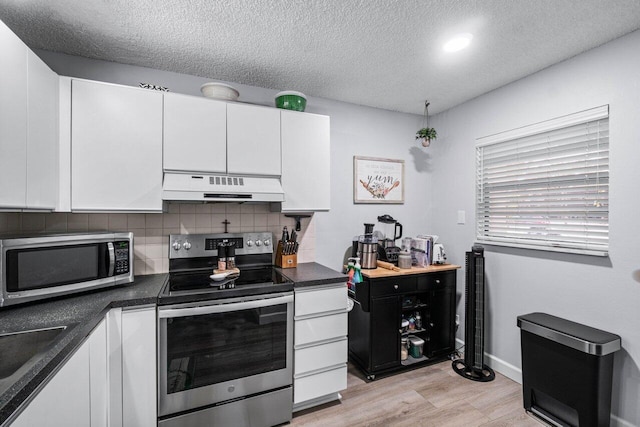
(461, 217)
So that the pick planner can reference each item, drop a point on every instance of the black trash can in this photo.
(567, 370)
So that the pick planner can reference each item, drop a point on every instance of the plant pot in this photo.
(425, 142)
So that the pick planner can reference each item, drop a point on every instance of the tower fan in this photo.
(472, 366)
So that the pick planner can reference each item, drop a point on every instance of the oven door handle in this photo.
(223, 308)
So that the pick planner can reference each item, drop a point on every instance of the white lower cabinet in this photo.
(110, 381)
(312, 387)
(65, 399)
(98, 376)
(320, 345)
(139, 386)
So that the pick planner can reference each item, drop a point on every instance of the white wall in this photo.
(355, 130)
(600, 292)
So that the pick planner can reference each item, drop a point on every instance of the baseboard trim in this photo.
(505, 368)
(499, 365)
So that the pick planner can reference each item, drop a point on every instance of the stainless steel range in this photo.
(225, 348)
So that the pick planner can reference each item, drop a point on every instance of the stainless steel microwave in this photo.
(45, 266)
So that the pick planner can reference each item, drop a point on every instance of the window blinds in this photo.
(546, 186)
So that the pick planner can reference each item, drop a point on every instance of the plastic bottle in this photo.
(350, 270)
(357, 275)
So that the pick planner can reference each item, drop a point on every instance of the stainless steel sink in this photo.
(21, 350)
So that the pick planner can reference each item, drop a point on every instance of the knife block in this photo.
(285, 261)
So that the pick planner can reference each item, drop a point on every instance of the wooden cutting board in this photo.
(383, 272)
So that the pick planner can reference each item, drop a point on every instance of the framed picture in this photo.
(378, 180)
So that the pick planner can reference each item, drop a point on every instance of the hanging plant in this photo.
(426, 134)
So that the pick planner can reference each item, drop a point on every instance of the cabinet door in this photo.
(306, 152)
(42, 135)
(116, 148)
(64, 401)
(139, 387)
(98, 376)
(385, 333)
(195, 134)
(13, 120)
(253, 140)
(441, 322)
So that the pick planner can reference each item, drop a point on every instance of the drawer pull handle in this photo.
(395, 286)
(437, 280)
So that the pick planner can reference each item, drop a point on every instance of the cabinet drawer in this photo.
(393, 286)
(320, 328)
(320, 356)
(319, 385)
(433, 281)
(321, 301)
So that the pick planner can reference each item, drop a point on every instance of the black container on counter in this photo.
(231, 255)
(222, 256)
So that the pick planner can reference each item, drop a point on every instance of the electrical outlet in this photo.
(457, 320)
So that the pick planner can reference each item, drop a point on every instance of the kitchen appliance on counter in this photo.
(439, 256)
(368, 248)
(36, 267)
(391, 231)
(225, 348)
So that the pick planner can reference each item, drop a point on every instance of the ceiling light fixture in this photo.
(457, 43)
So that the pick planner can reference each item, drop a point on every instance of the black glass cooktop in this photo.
(251, 281)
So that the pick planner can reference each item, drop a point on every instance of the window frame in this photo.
(552, 127)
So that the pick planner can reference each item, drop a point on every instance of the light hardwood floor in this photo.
(430, 396)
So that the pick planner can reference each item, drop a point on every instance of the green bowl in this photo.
(291, 100)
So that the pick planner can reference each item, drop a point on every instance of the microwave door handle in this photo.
(112, 259)
(223, 308)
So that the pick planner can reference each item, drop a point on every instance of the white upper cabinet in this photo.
(253, 140)
(28, 127)
(13, 120)
(116, 148)
(42, 135)
(195, 134)
(306, 154)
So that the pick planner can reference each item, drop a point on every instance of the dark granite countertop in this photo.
(81, 313)
(313, 274)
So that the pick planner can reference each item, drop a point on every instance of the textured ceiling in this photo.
(380, 53)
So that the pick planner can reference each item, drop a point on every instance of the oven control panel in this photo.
(204, 245)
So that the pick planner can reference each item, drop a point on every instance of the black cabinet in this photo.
(385, 342)
(376, 321)
(441, 322)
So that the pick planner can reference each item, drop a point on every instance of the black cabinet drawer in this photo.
(433, 281)
(393, 286)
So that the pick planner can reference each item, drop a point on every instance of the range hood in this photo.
(220, 188)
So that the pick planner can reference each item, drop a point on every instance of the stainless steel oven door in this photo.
(214, 351)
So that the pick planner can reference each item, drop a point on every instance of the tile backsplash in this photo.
(151, 231)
